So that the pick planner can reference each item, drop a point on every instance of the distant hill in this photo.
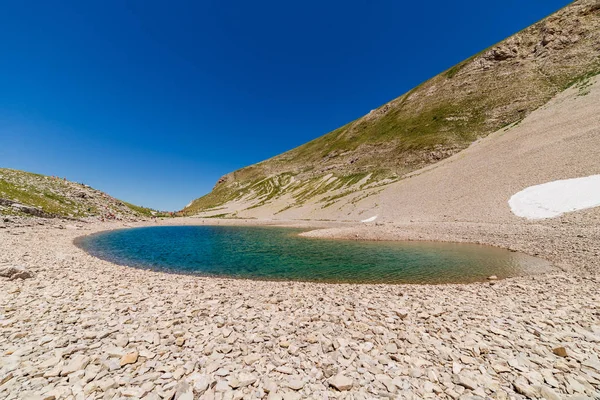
(24, 193)
(496, 88)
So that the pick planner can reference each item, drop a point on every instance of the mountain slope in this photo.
(24, 193)
(560, 140)
(491, 90)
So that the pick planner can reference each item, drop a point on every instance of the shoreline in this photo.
(87, 328)
(316, 233)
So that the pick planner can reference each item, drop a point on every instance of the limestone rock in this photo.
(129, 358)
(560, 351)
(184, 392)
(77, 363)
(13, 272)
(295, 384)
(525, 390)
(341, 382)
(242, 380)
(549, 394)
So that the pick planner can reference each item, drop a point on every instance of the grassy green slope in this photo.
(61, 198)
(440, 117)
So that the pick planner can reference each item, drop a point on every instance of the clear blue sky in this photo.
(153, 101)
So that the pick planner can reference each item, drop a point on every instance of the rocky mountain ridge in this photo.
(23, 193)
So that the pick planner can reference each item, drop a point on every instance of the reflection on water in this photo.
(279, 253)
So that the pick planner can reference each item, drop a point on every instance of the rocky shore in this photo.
(82, 328)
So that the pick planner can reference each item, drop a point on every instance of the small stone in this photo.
(121, 340)
(574, 385)
(456, 368)
(180, 341)
(129, 358)
(106, 384)
(428, 387)
(560, 351)
(592, 364)
(387, 382)
(412, 339)
(147, 354)
(285, 370)
(77, 363)
(200, 382)
(178, 373)
(45, 339)
(467, 382)
(242, 380)
(549, 394)
(341, 382)
(90, 335)
(54, 372)
(222, 386)
(492, 278)
(500, 368)
(391, 348)
(312, 338)
(295, 384)
(5, 378)
(525, 390)
(251, 359)
(136, 392)
(184, 392)
(269, 386)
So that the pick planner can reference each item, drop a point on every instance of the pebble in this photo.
(341, 382)
(560, 351)
(129, 358)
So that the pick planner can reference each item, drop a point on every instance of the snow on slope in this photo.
(370, 219)
(555, 198)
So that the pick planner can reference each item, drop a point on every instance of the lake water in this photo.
(280, 254)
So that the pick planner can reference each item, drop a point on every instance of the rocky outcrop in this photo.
(35, 211)
(13, 272)
(23, 193)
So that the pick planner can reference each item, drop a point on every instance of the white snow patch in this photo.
(555, 198)
(370, 219)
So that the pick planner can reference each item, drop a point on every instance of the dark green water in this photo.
(280, 254)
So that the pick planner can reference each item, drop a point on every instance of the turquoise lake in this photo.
(280, 254)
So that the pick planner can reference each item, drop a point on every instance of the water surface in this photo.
(280, 254)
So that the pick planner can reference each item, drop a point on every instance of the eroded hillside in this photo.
(493, 89)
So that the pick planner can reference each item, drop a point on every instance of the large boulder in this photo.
(15, 272)
(29, 210)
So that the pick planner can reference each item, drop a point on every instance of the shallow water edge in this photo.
(280, 254)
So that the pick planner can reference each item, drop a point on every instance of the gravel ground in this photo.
(83, 328)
